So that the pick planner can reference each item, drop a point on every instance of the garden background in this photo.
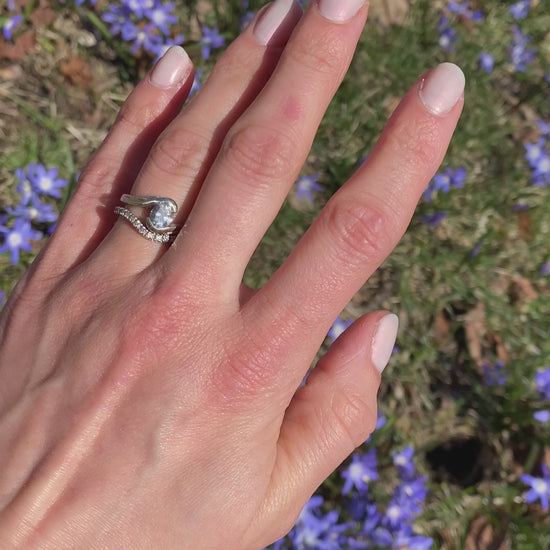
(460, 455)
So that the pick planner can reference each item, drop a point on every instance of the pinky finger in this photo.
(151, 106)
(334, 412)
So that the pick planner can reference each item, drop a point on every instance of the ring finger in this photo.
(180, 159)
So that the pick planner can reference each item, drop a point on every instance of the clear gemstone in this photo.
(162, 215)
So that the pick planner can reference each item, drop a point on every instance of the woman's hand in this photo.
(147, 398)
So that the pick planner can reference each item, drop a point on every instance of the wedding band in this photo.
(159, 224)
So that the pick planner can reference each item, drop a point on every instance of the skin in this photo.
(147, 398)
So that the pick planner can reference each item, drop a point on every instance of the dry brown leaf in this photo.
(481, 536)
(475, 327)
(77, 70)
(43, 14)
(525, 225)
(23, 44)
(442, 328)
(522, 290)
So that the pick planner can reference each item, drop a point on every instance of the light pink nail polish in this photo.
(276, 22)
(442, 88)
(339, 10)
(384, 341)
(171, 68)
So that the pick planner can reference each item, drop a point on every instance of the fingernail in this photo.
(339, 10)
(275, 23)
(384, 341)
(442, 88)
(171, 68)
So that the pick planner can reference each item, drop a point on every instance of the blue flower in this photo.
(211, 40)
(540, 487)
(403, 460)
(433, 220)
(414, 490)
(44, 181)
(339, 326)
(520, 9)
(447, 35)
(160, 15)
(534, 151)
(406, 538)
(542, 382)
(541, 170)
(305, 185)
(449, 178)
(486, 62)
(360, 472)
(463, 10)
(545, 269)
(18, 238)
(118, 17)
(33, 211)
(494, 376)
(141, 37)
(542, 416)
(10, 25)
(196, 86)
(520, 55)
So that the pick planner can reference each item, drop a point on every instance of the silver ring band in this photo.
(159, 224)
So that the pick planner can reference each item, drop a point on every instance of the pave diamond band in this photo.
(159, 224)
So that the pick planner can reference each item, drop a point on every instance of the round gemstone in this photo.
(162, 215)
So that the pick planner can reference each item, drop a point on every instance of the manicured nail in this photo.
(275, 23)
(442, 88)
(384, 341)
(339, 10)
(171, 68)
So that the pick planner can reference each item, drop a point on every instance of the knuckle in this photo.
(418, 146)
(354, 415)
(179, 152)
(359, 231)
(138, 114)
(321, 53)
(260, 154)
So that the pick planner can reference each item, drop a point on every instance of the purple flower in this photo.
(339, 326)
(542, 382)
(494, 375)
(520, 55)
(462, 9)
(545, 269)
(360, 472)
(540, 487)
(403, 460)
(398, 512)
(449, 178)
(486, 62)
(544, 128)
(414, 490)
(33, 211)
(2, 298)
(433, 220)
(520, 9)
(44, 181)
(305, 185)
(211, 40)
(196, 86)
(142, 37)
(10, 25)
(24, 187)
(447, 35)
(534, 152)
(541, 170)
(542, 416)
(406, 538)
(161, 16)
(118, 17)
(18, 238)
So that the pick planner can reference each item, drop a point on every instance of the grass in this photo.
(457, 310)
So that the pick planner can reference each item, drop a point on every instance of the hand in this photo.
(147, 398)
